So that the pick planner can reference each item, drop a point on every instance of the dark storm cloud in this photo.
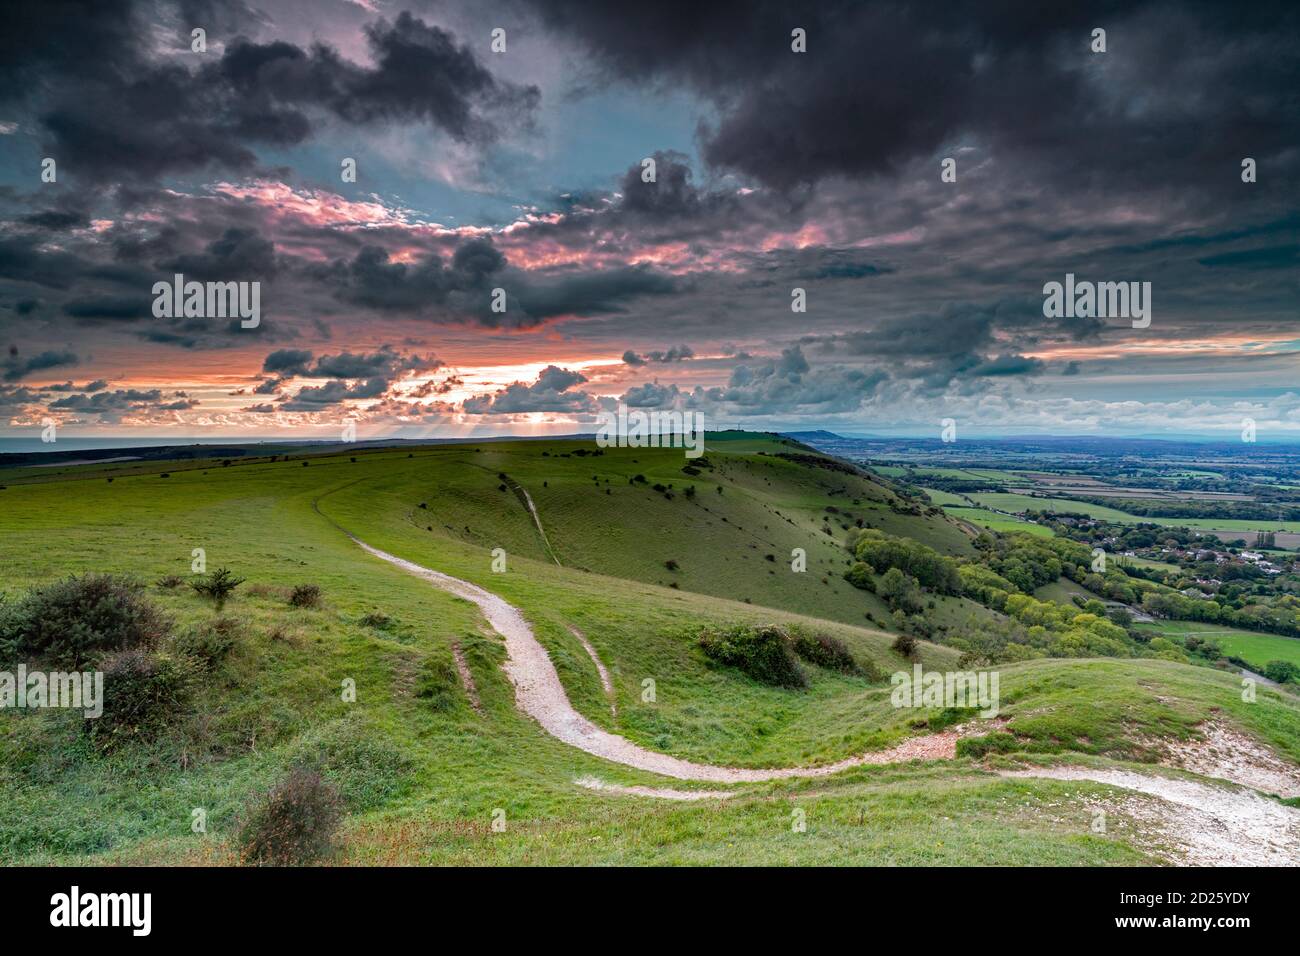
(352, 375)
(96, 386)
(238, 253)
(22, 261)
(111, 406)
(287, 361)
(384, 362)
(678, 353)
(463, 287)
(109, 307)
(110, 108)
(554, 391)
(581, 294)
(1190, 89)
(1269, 257)
(314, 399)
(17, 367)
(57, 219)
(371, 279)
(790, 383)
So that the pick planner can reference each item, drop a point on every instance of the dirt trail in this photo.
(662, 793)
(1212, 825)
(522, 494)
(605, 682)
(540, 695)
(466, 678)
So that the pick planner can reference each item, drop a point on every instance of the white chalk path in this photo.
(540, 695)
(1212, 825)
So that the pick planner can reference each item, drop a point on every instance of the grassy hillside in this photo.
(422, 770)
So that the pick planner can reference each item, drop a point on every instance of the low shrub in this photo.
(209, 642)
(305, 595)
(825, 651)
(292, 823)
(75, 618)
(169, 581)
(144, 692)
(996, 743)
(764, 653)
(218, 585)
(860, 576)
(905, 644)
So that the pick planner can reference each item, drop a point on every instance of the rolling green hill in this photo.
(422, 769)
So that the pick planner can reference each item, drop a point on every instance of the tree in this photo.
(218, 585)
(900, 591)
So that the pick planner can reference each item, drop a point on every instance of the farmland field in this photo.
(997, 522)
(1252, 646)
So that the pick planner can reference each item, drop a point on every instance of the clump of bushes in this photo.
(71, 620)
(305, 595)
(764, 653)
(1283, 672)
(905, 644)
(218, 585)
(292, 823)
(143, 692)
(824, 651)
(169, 581)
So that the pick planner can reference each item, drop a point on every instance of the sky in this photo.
(504, 263)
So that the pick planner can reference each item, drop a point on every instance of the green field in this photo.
(945, 498)
(969, 474)
(1254, 647)
(1123, 560)
(1016, 504)
(422, 771)
(997, 522)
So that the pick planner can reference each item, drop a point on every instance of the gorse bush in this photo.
(293, 822)
(305, 595)
(764, 653)
(72, 620)
(143, 693)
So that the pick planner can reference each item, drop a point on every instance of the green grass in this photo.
(1253, 647)
(421, 783)
(1016, 504)
(1064, 591)
(997, 522)
(1122, 561)
(943, 498)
